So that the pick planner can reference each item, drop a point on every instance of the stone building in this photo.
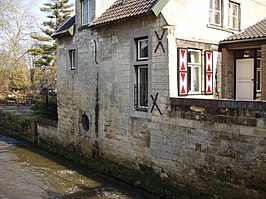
(140, 82)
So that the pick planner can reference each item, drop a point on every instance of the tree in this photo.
(16, 26)
(45, 47)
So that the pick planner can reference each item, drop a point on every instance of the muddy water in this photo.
(28, 173)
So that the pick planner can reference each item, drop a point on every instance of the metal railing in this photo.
(141, 96)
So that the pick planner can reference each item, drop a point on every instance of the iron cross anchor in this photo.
(159, 41)
(155, 103)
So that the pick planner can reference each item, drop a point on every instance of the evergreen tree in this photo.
(44, 50)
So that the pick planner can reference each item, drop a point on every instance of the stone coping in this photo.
(219, 103)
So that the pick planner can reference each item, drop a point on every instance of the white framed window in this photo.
(85, 15)
(141, 74)
(141, 87)
(72, 59)
(233, 15)
(215, 12)
(258, 75)
(194, 71)
(142, 49)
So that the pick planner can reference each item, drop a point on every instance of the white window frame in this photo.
(139, 106)
(72, 59)
(139, 41)
(232, 17)
(85, 15)
(193, 66)
(258, 73)
(213, 12)
(141, 94)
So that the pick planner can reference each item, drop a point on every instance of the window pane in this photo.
(217, 18)
(235, 22)
(211, 17)
(143, 49)
(189, 79)
(258, 82)
(258, 53)
(196, 79)
(233, 15)
(143, 86)
(72, 59)
(217, 5)
(194, 57)
(235, 10)
(85, 13)
(211, 4)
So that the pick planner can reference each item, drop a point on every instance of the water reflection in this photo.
(27, 172)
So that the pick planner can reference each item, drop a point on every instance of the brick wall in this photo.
(228, 74)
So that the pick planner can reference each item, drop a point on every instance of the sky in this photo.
(36, 7)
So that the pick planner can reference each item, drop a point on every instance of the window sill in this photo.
(82, 27)
(222, 28)
(199, 96)
(140, 114)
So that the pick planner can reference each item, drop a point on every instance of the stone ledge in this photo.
(230, 112)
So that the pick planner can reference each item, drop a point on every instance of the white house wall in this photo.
(191, 18)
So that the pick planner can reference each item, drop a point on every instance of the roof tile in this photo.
(64, 27)
(257, 30)
(122, 9)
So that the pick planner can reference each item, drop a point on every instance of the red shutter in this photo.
(182, 72)
(208, 73)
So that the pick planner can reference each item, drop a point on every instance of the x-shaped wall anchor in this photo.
(159, 41)
(155, 103)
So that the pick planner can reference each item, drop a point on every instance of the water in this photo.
(29, 173)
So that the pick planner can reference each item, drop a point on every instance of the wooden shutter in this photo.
(208, 72)
(182, 71)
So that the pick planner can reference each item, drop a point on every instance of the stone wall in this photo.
(220, 144)
(18, 126)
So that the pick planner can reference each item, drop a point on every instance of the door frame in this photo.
(254, 57)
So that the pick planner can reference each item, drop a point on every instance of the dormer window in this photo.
(86, 14)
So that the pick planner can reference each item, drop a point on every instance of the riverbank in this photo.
(34, 173)
(19, 122)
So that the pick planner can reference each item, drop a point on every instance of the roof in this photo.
(256, 31)
(122, 9)
(65, 27)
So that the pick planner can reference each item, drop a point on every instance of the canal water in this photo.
(27, 172)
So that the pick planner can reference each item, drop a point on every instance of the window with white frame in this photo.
(85, 12)
(191, 73)
(141, 75)
(142, 49)
(141, 87)
(215, 12)
(233, 15)
(258, 75)
(72, 59)
(194, 71)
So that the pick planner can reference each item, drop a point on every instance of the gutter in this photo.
(242, 40)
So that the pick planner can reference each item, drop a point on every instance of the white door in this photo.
(244, 79)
